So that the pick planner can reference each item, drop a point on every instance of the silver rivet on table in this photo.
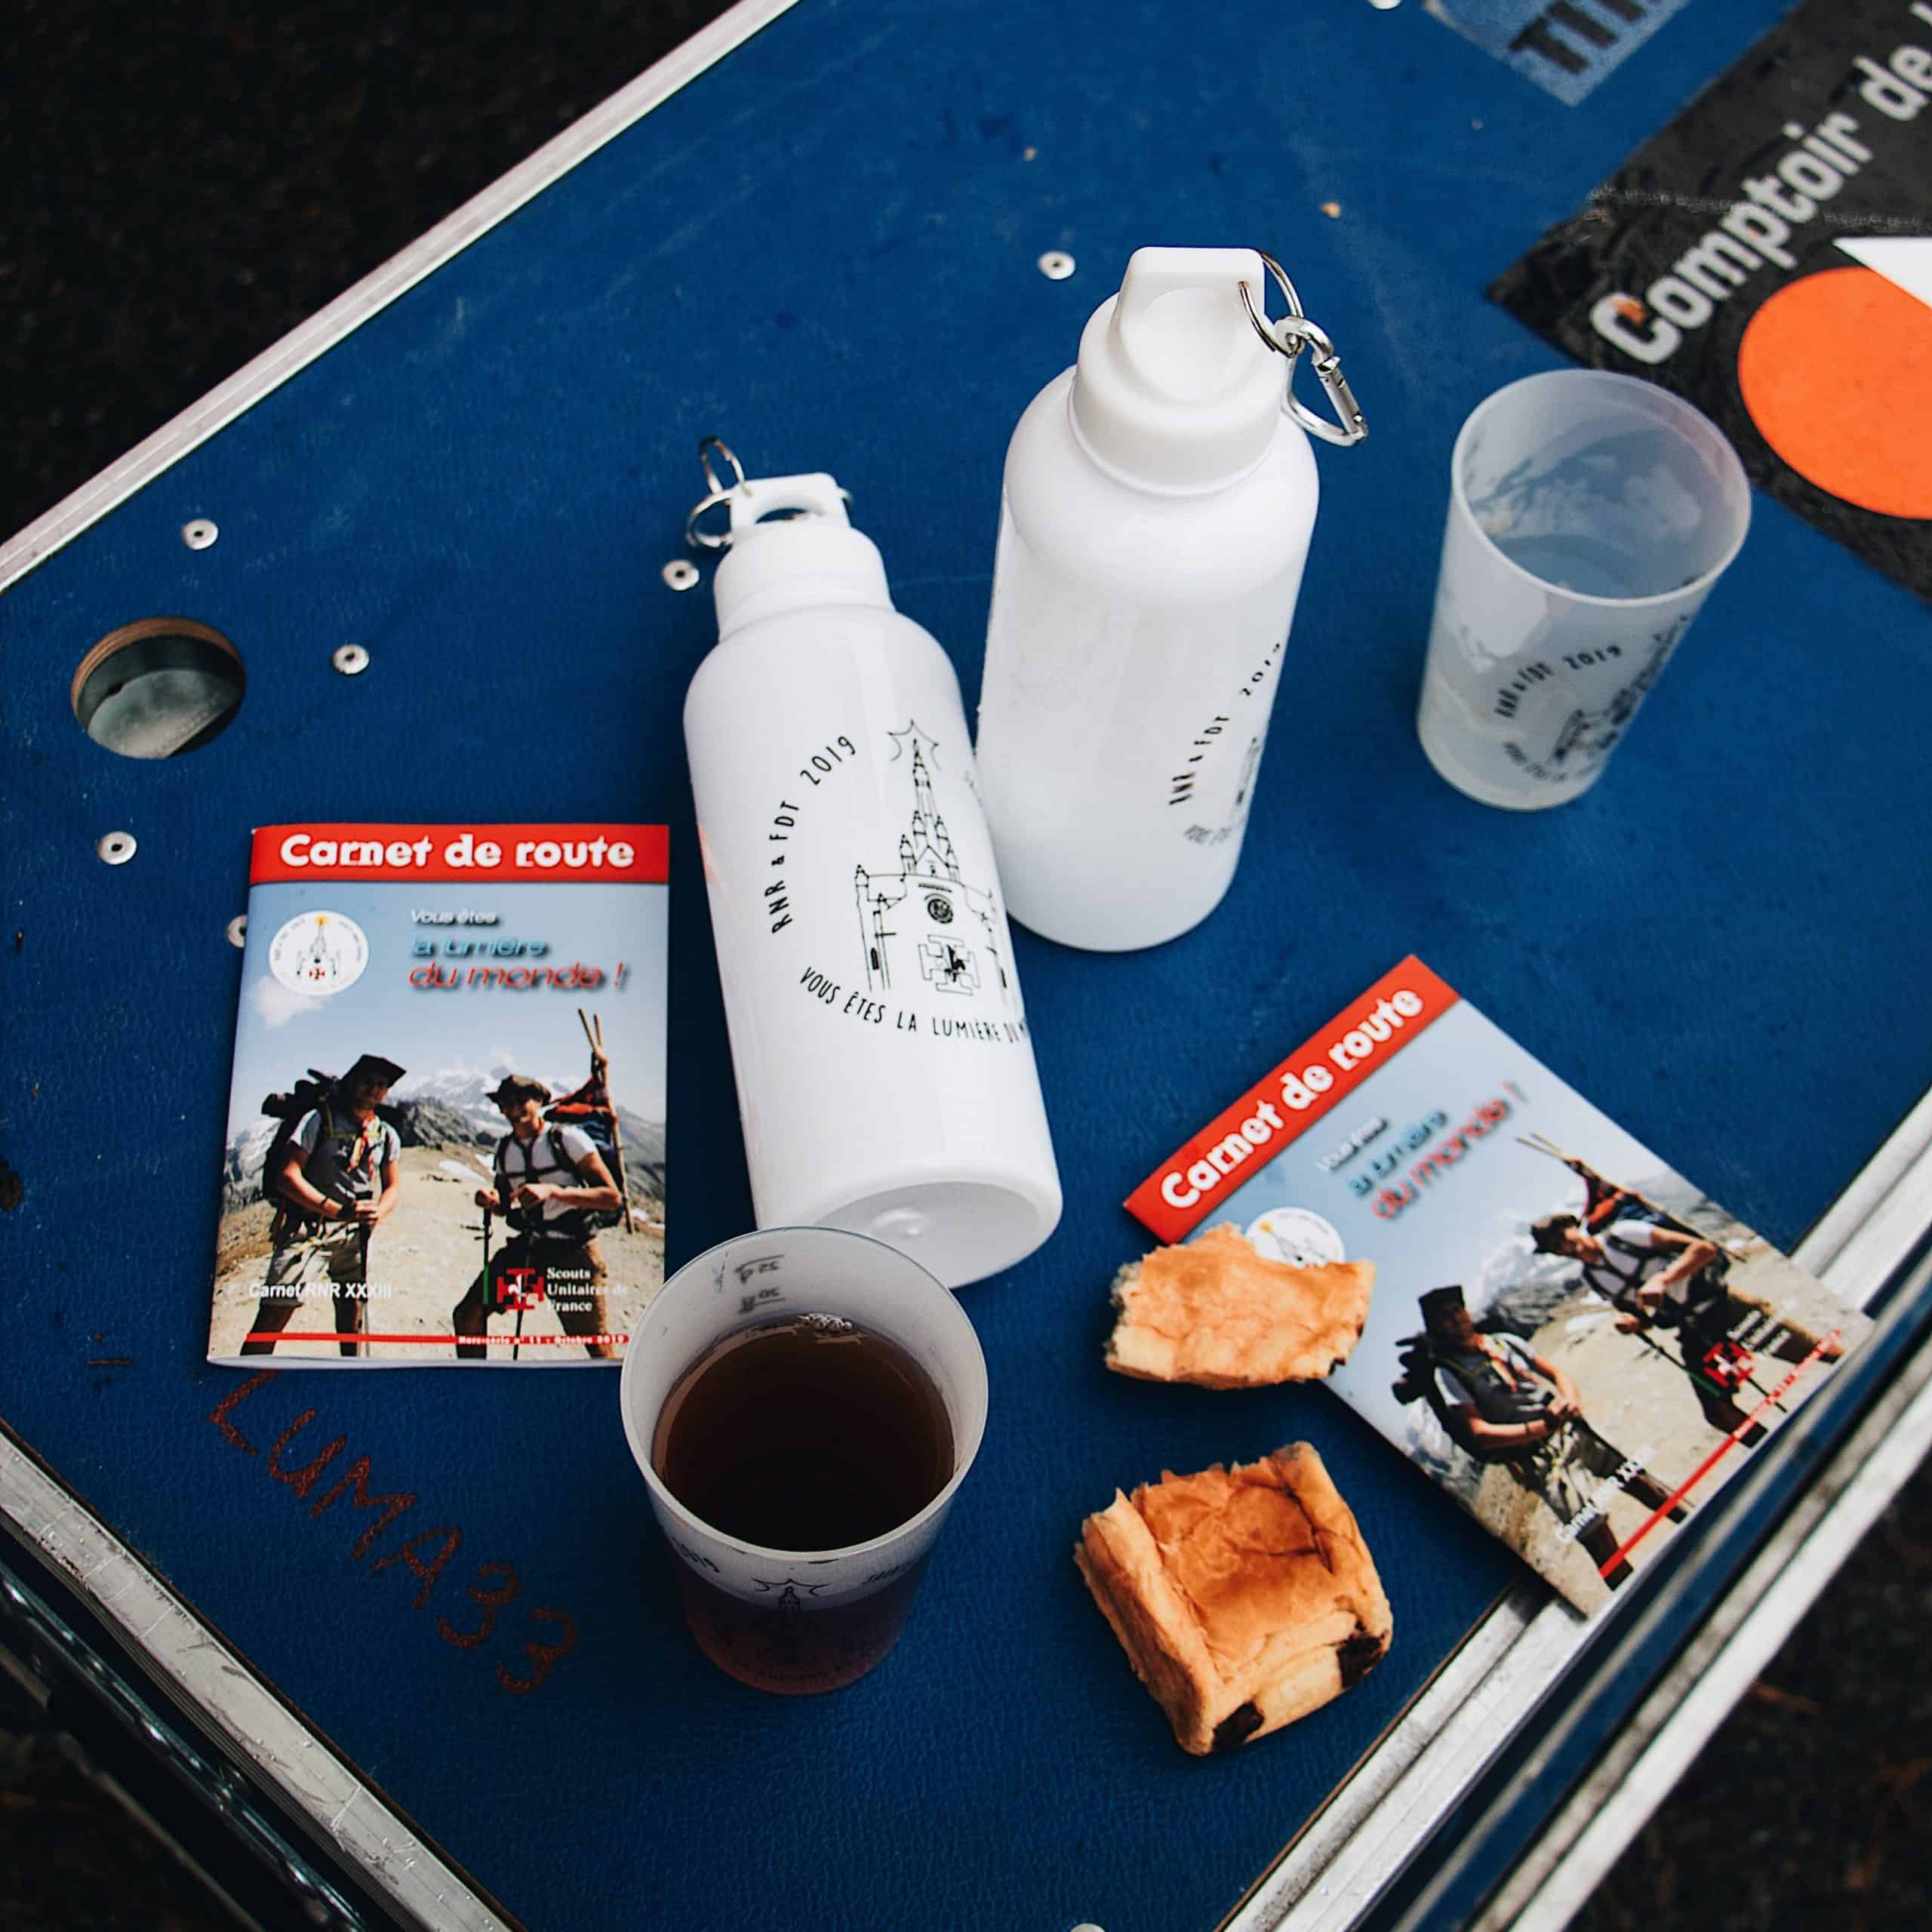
(238, 929)
(681, 573)
(1384, 6)
(351, 660)
(199, 534)
(1056, 265)
(116, 848)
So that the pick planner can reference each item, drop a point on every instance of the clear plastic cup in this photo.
(799, 1621)
(1589, 515)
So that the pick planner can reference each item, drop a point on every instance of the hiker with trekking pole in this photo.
(1501, 1402)
(591, 1108)
(552, 1187)
(334, 1171)
(1658, 1274)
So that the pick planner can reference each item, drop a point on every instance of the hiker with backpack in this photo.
(1502, 1403)
(1659, 1275)
(553, 1188)
(1646, 1270)
(334, 1171)
(590, 1107)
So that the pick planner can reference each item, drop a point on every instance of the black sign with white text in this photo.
(1768, 257)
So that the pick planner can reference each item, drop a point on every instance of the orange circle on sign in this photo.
(1836, 371)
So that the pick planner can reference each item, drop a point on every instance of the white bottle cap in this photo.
(813, 557)
(1174, 389)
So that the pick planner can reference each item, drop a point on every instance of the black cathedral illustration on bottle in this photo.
(922, 916)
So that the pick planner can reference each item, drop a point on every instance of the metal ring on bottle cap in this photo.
(717, 489)
(717, 493)
(1287, 337)
(722, 493)
(1260, 317)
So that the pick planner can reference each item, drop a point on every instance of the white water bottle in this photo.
(1158, 502)
(884, 1070)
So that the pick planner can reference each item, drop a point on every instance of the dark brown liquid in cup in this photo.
(802, 1435)
(793, 1649)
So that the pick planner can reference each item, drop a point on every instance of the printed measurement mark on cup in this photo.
(762, 1264)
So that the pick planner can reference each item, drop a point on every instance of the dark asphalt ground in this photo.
(180, 189)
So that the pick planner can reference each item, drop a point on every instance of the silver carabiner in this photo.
(1288, 337)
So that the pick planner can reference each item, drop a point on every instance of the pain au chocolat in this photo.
(1243, 1597)
(1216, 1312)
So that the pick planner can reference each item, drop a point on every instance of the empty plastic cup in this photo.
(1589, 515)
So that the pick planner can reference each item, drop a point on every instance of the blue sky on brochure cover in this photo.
(280, 1033)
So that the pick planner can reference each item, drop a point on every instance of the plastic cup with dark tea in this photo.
(804, 1404)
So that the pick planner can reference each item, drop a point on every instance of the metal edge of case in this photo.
(195, 1665)
(376, 290)
(1354, 1849)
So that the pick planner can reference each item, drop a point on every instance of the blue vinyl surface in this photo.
(824, 251)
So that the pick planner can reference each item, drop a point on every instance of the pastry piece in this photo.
(1217, 1313)
(1244, 1598)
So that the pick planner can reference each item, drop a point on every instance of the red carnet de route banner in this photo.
(455, 854)
(1319, 1075)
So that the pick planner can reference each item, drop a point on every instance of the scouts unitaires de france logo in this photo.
(319, 952)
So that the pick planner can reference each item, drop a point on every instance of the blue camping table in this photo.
(817, 232)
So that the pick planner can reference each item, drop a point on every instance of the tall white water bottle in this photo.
(884, 1070)
(1159, 498)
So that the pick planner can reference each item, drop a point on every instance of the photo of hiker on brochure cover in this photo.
(1565, 1334)
(445, 1138)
